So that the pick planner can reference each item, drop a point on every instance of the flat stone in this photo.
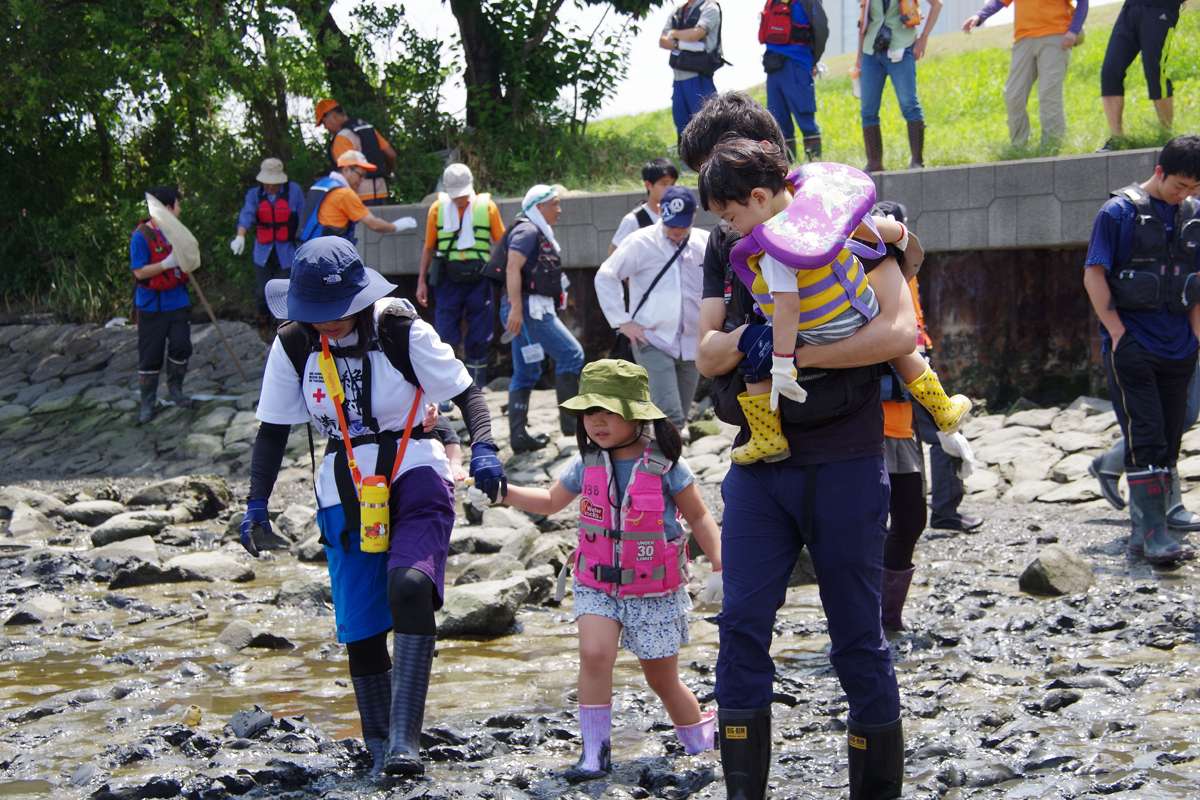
(129, 525)
(1028, 491)
(201, 496)
(1039, 418)
(1003, 435)
(1068, 421)
(303, 594)
(37, 611)
(241, 634)
(550, 549)
(1072, 468)
(103, 395)
(1189, 468)
(93, 512)
(29, 523)
(492, 540)
(1098, 423)
(507, 518)
(243, 427)
(494, 567)
(981, 480)
(55, 400)
(310, 551)
(215, 422)
(212, 566)
(978, 426)
(48, 504)
(12, 411)
(142, 548)
(297, 522)
(698, 464)
(709, 444)
(1079, 491)
(462, 540)
(1189, 446)
(1057, 571)
(1091, 405)
(31, 393)
(715, 476)
(481, 609)
(1073, 441)
(1022, 460)
(202, 445)
(702, 428)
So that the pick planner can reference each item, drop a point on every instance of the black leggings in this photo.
(908, 520)
(411, 597)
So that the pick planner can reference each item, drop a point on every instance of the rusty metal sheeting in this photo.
(1010, 323)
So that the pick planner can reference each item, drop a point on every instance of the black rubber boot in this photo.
(566, 386)
(175, 375)
(149, 387)
(916, 144)
(812, 147)
(745, 737)
(373, 693)
(478, 372)
(873, 142)
(876, 760)
(518, 416)
(1149, 534)
(412, 659)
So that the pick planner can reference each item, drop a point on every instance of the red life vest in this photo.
(274, 220)
(634, 558)
(159, 249)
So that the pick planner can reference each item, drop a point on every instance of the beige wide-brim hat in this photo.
(271, 171)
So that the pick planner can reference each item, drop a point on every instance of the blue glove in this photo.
(757, 342)
(256, 514)
(488, 472)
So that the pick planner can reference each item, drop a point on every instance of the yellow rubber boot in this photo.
(948, 412)
(766, 435)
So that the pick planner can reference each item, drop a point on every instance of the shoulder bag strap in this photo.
(658, 277)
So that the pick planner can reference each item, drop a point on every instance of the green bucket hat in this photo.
(616, 386)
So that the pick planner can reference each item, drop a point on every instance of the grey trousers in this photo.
(672, 381)
(1040, 59)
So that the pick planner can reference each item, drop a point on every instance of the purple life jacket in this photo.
(632, 558)
(814, 232)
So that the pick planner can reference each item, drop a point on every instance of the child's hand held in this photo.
(783, 380)
(714, 589)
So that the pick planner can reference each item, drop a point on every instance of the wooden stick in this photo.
(213, 317)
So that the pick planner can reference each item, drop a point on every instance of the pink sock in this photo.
(698, 737)
(595, 723)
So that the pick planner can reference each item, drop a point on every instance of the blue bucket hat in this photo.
(328, 281)
(678, 206)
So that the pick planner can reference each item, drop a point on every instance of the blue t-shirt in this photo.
(150, 299)
(800, 53)
(1161, 332)
(524, 240)
(678, 478)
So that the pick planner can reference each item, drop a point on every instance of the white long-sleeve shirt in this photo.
(672, 313)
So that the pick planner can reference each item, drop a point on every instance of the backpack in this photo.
(776, 27)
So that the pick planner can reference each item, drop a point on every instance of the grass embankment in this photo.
(961, 85)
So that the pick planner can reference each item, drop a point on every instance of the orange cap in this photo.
(324, 107)
(353, 158)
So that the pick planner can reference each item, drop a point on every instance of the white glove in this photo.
(714, 590)
(404, 224)
(170, 262)
(238, 245)
(957, 446)
(477, 498)
(783, 380)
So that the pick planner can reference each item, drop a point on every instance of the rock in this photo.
(492, 540)
(1068, 421)
(202, 445)
(1189, 468)
(495, 567)
(203, 496)
(715, 445)
(240, 634)
(542, 582)
(215, 421)
(704, 461)
(981, 480)
(41, 610)
(1056, 571)
(92, 512)
(1098, 423)
(978, 426)
(1002, 435)
(1058, 699)
(1023, 460)
(211, 566)
(55, 400)
(1090, 405)
(303, 594)
(1022, 404)
(103, 395)
(550, 549)
(247, 724)
(28, 523)
(1074, 441)
(297, 522)
(462, 540)
(141, 548)
(507, 518)
(1190, 445)
(310, 551)
(1071, 468)
(13, 411)
(129, 525)
(243, 427)
(1028, 491)
(1079, 491)
(263, 539)
(702, 428)
(804, 572)
(49, 505)
(1039, 418)
(481, 609)
(990, 775)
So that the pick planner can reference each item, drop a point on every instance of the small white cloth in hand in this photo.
(170, 262)
(238, 245)
(714, 589)
(404, 224)
(957, 446)
(783, 380)
(695, 47)
(477, 498)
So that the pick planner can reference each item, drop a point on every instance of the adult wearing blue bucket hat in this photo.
(382, 356)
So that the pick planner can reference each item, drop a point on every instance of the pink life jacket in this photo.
(634, 560)
(815, 233)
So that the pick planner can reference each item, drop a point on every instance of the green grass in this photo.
(961, 85)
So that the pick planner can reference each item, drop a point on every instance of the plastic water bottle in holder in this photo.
(373, 511)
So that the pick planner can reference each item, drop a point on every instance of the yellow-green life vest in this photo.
(447, 241)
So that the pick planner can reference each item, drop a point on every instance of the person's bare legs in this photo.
(1114, 111)
(662, 676)
(598, 641)
(1166, 112)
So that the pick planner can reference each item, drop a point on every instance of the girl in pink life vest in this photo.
(797, 257)
(630, 567)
